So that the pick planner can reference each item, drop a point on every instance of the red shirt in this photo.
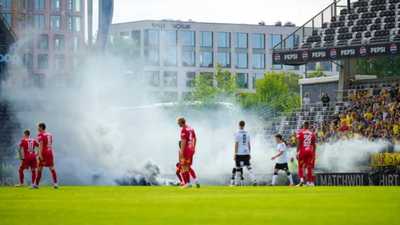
(344, 128)
(188, 134)
(29, 144)
(47, 141)
(307, 140)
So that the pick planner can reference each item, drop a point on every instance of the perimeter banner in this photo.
(304, 56)
(385, 159)
(357, 179)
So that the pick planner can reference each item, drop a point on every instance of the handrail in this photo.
(283, 41)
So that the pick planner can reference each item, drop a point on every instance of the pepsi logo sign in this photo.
(333, 53)
(393, 48)
(277, 58)
(304, 55)
(363, 51)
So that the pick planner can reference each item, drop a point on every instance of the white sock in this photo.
(301, 179)
(55, 184)
(308, 183)
(274, 177)
(290, 178)
(252, 174)
(195, 179)
(237, 178)
(232, 181)
(242, 182)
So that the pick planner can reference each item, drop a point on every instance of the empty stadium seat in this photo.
(367, 21)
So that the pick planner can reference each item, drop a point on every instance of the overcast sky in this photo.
(223, 11)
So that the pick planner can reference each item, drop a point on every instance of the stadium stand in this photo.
(368, 21)
(370, 116)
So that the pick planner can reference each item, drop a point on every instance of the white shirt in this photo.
(282, 158)
(243, 139)
(306, 100)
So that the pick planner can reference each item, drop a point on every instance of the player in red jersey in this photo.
(311, 182)
(29, 159)
(306, 148)
(187, 150)
(46, 159)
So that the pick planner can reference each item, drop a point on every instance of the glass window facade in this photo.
(152, 78)
(8, 17)
(170, 38)
(151, 37)
(225, 59)
(59, 42)
(74, 5)
(75, 43)
(311, 66)
(206, 59)
(170, 79)
(190, 79)
(6, 4)
(74, 23)
(55, 22)
(125, 35)
(241, 40)
(206, 39)
(39, 22)
(274, 39)
(242, 79)
(327, 65)
(224, 40)
(29, 61)
(152, 57)
(43, 61)
(21, 20)
(258, 61)
(55, 5)
(188, 58)
(186, 96)
(59, 62)
(257, 76)
(188, 38)
(39, 4)
(43, 42)
(136, 37)
(258, 41)
(241, 60)
(170, 58)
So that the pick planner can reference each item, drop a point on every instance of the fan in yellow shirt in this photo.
(368, 115)
(395, 129)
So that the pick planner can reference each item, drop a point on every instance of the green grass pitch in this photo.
(207, 205)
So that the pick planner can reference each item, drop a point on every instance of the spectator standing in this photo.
(326, 101)
(306, 101)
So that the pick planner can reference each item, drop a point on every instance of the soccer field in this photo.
(207, 205)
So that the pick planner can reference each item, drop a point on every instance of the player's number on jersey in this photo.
(307, 140)
(30, 146)
(49, 141)
(244, 139)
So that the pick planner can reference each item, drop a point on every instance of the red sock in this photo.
(53, 172)
(186, 177)
(309, 174)
(192, 173)
(312, 178)
(33, 176)
(300, 170)
(38, 177)
(21, 176)
(179, 176)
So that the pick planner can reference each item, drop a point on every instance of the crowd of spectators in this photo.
(370, 117)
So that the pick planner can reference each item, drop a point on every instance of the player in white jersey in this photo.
(242, 153)
(282, 162)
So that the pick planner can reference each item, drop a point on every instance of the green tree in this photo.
(380, 66)
(273, 94)
(319, 72)
(215, 87)
(292, 80)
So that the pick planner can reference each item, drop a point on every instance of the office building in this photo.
(175, 51)
(52, 37)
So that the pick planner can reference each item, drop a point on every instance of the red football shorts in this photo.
(28, 163)
(306, 158)
(48, 160)
(187, 159)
